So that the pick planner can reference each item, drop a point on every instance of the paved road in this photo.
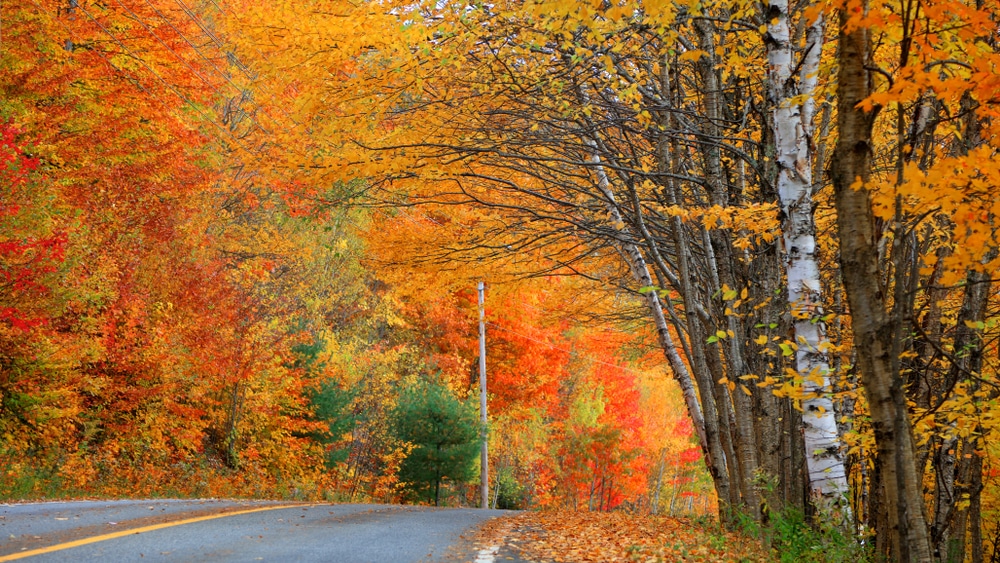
(173, 530)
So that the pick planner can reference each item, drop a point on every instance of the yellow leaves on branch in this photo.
(756, 223)
(963, 414)
(957, 193)
(693, 55)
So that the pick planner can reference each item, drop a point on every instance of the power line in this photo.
(167, 47)
(223, 75)
(171, 87)
(566, 350)
(177, 55)
(194, 48)
(229, 54)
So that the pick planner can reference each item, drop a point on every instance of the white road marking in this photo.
(486, 555)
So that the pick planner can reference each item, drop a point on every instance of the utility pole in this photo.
(484, 457)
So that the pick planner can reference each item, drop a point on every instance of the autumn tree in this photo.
(182, 257)
(583, 174)
(173, 315)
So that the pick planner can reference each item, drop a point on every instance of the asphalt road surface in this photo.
(213, 530)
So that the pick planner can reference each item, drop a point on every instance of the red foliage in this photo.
(34, 253)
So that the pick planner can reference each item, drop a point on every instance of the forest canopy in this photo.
(739, 256)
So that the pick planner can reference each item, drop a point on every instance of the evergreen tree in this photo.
(444, 433)
(329, 403)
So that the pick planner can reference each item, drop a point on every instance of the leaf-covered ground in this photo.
(556, 536)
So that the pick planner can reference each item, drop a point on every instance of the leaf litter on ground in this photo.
(585, 537)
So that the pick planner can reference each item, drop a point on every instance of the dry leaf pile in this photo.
(554, 536)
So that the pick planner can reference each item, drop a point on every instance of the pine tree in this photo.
(444, 433)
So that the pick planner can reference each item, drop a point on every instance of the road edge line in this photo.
(487, 555)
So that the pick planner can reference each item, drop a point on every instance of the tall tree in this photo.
(875, 331)
(792, 100)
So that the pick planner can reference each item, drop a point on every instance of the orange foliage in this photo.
(620, 537)
(151, 351)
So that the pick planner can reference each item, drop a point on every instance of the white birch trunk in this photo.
(792, 104)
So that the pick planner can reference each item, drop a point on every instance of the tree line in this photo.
(791, 202)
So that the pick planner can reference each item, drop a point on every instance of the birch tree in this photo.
(792, 105)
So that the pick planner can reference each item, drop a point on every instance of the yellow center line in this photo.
(133, 531)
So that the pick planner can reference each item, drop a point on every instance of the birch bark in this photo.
(792, 106)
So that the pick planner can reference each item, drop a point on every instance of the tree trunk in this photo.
(705, 425)
(873, 328)
(230, 453)
(739, 405)
(437, 479)
(719, 254)
(792, 129)
(716, 408)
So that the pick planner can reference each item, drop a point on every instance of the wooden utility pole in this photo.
(484, 457)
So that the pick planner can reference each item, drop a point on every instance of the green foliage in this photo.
(510, 493)
(32, 482)
(444, 433)
(587, 408)
(330, 405)
(794, 539)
